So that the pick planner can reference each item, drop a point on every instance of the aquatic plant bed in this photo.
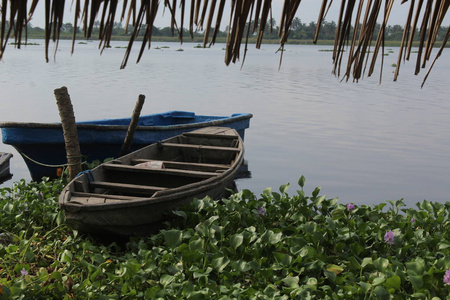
(272, 246)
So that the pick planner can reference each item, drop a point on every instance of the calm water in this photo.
(364, 143)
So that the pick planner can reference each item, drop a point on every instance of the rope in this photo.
(47, 165)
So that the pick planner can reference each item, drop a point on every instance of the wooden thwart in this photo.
(186, 173)
(185, 165)
(125, 187)
(200, 147)
(118, 197)
(209, 135)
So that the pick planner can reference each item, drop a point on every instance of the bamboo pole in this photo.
(132, 127)
(69, 130)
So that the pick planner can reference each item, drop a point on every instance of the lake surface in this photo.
(362, 142)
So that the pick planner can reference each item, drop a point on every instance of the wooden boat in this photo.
(42, 145)
(132, 194)
(4, 166)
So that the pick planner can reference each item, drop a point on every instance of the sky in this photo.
(307, 12)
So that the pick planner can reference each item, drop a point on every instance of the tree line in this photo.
(298, 31)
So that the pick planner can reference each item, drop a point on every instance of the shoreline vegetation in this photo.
(272, 246)
(199, 41)
(300, 34)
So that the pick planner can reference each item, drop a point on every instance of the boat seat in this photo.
(210, 135)
(186, 173)
(168, 164)
(94, 195)
(200, 147)
(125, 187)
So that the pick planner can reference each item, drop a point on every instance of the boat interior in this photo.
(160, 168)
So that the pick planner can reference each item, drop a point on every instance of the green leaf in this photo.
(335, 268)
(180, 213)
(365, 286)
(338, 214)
(198, 204)
(291, 281)
(284, 188)
(282, 258)
(267, 192)
(166, 280)
(366, 261)
(308, 251)
(417, 266)
(381, 293)
(241, 266)
(379, 280)
(316, 191)
(269, 237)
(416, 281)
(381, 264)
(312, 281)
(319, 200)
(330, 275)
(66, 256)
(301, 181)
(173, 238)
(220, 263)
(60, 218)
(236, 240)
(393, 282)
(196, 244)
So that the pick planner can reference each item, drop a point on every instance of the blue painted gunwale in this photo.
(101, 139)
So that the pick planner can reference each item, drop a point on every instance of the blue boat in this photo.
(42, 144)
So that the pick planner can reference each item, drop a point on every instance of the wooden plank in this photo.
(125, 187)
(184, 165)
(117, 197)
(215, 130)
(185, 173)
(210, 135)
(201, 147)
(96, 200)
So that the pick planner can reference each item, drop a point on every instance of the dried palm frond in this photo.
(356, 26)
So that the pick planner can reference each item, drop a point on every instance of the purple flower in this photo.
(350, 206)
(447, 277)
(413, 220)
(23, 272)
(389, 237)
(261, 211)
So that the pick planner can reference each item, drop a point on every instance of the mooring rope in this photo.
(47, 165)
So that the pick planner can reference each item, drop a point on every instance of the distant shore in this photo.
(219, 40)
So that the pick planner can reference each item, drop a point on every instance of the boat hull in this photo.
(43, 150)
(114, 198)
(150, 215)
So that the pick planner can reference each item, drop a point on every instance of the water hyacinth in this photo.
(447, 277)
(261, 211)
(288, 247)
(389, 237)
(350, 206)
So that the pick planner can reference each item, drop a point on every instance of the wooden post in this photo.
(132, 127)
(70, 131)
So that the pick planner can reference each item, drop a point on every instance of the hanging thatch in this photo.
(362, 53)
